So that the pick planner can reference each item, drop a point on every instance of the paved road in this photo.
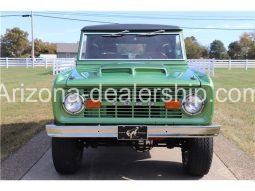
(120, 163)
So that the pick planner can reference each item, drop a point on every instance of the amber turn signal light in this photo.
(173, 104)
(92, 104)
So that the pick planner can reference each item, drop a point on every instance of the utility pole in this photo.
(32, 36)
(33, 43)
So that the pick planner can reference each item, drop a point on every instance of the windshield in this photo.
(131, 46)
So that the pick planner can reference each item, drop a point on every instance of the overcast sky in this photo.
(57, 30)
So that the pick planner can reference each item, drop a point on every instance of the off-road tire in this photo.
(197, 154)
(66, 154)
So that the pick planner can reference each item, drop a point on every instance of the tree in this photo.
(194, 49)
(234, 50)
(14, 43)
(244, 48)
(205, 52)
(251, 52)
(44, 47)
(217, 50)
(247, 42)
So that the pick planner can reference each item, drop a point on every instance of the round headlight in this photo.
(192, 105)
(73, 103)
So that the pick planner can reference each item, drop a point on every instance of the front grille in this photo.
(133, 112)
(134, 108)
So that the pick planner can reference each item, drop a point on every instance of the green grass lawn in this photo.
(237, 119)
(20, 121)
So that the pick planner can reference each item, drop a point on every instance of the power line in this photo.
(10, 15)
(141, 13)
(74, 19)
(172, 17)
(216, 28)
(64, 18)
(134, 17)
(106, 22)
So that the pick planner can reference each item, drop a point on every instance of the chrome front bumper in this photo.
(156, 131)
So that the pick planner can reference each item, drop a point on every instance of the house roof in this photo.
(130, 27)
(67, 47)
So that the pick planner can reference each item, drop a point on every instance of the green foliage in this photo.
(14, 43)
(234, 50)
(251, 52)
(244, 48)
(44, 47)
(195, 50)
(217, 50)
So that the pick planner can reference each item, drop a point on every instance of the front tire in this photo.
(66, 154)
(197, 154)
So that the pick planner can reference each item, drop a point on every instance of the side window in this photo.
(178, 47)
(83, 47)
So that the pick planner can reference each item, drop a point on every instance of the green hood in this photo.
(132, 72)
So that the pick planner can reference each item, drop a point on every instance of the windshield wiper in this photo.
(152, 33)
(118, 34)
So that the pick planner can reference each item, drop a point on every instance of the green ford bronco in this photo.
(132, 87)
